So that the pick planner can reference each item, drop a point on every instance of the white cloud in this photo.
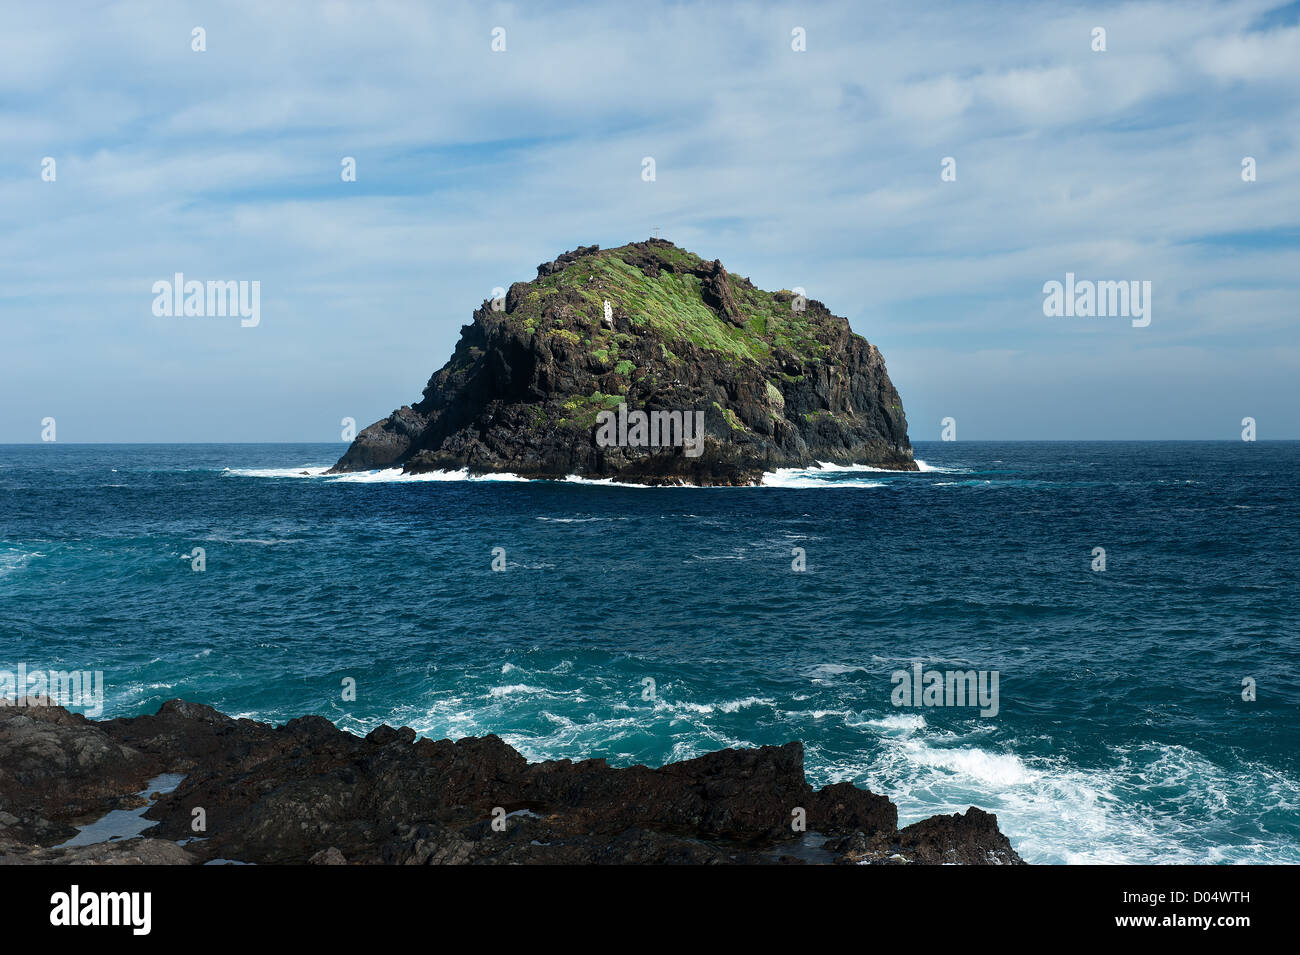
(818, 169)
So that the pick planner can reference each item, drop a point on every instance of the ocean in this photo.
(647, 625)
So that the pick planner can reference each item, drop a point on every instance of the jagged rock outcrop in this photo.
(307, 792)
(780, 381)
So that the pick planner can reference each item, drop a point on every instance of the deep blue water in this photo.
(1122, 734)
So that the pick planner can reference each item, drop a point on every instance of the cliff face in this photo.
(774, 380)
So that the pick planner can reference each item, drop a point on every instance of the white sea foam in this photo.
(610, 482)
(395, 476)
(398, 476)
(579, 520)
(727, 706)
(15, 560)
(830, 466)
(380, 476)
(1155, 804)
(907, 721)
(264, 541)
(809, 478)
(824, 670)
(822, 714)
(997, 769)
(937, 469)
(823, 475)
(516, 688)
(306, 470)
(733, 705)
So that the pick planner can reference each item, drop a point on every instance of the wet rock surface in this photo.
(307, 792)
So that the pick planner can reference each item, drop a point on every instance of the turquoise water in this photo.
(1121, 733)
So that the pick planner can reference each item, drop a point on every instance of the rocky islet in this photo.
(777, 379)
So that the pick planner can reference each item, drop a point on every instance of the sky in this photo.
(818, 168)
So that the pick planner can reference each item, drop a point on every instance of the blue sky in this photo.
(818, 169)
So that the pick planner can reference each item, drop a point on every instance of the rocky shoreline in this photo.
(308, 792)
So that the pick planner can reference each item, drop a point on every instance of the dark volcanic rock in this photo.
(972, 838)
(780, 381)
(58, 769)
(124, 852)
(715, 289)
(307, 792)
